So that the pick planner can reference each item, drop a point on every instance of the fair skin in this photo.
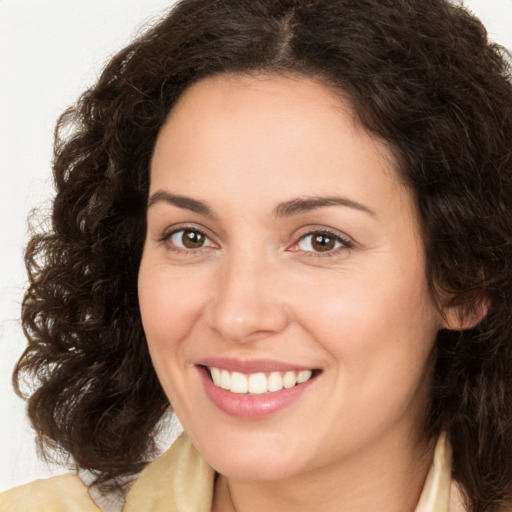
(245, 270)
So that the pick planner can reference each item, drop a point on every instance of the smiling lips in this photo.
(253, 389)
(257, 383)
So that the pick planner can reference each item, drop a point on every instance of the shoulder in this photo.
(180, 480)
(64, 493)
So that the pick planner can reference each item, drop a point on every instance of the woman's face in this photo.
(282, 248)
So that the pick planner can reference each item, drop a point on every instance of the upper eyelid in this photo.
(298, 235)
(170, 230)
(346, 245)
(310, 230)
(165, 239)
(174, 231)
(329, 233)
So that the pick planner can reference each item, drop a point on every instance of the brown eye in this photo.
(321, 242)
(192, 239)
(189, 238)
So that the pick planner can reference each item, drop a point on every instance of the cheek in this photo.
(377, 331)
(170, 306)
(379, 340)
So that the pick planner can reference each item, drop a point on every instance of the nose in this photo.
(247, 304)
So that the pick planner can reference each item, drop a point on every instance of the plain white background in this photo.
(50, 51)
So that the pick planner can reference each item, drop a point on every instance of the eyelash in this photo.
(166, 238)
(344, 242)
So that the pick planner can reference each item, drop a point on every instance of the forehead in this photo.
(299, 90)
(293, 108)
(267, 138)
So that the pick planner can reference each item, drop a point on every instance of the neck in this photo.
(388, 478)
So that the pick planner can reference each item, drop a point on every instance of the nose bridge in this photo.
(246, 303)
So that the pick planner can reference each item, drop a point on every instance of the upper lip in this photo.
(251, 365)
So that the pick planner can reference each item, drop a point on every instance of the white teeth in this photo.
(225, 380)
(238, 383)
(303, 376)
(215, 372)
(290, 379)
(257, 383)
(275, 382)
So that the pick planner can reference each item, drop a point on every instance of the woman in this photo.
(290, 221)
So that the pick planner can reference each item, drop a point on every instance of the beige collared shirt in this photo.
(181, 481)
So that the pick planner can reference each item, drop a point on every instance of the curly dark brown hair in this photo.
(420, 74)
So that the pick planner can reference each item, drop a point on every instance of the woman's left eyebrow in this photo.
(306, 204)
(284, 209)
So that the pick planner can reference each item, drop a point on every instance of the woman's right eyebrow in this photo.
(184, 202)
(285, 209)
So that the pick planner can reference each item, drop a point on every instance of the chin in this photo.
(256, 470)
(255, 461)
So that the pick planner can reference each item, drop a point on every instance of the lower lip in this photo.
(251, 407)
